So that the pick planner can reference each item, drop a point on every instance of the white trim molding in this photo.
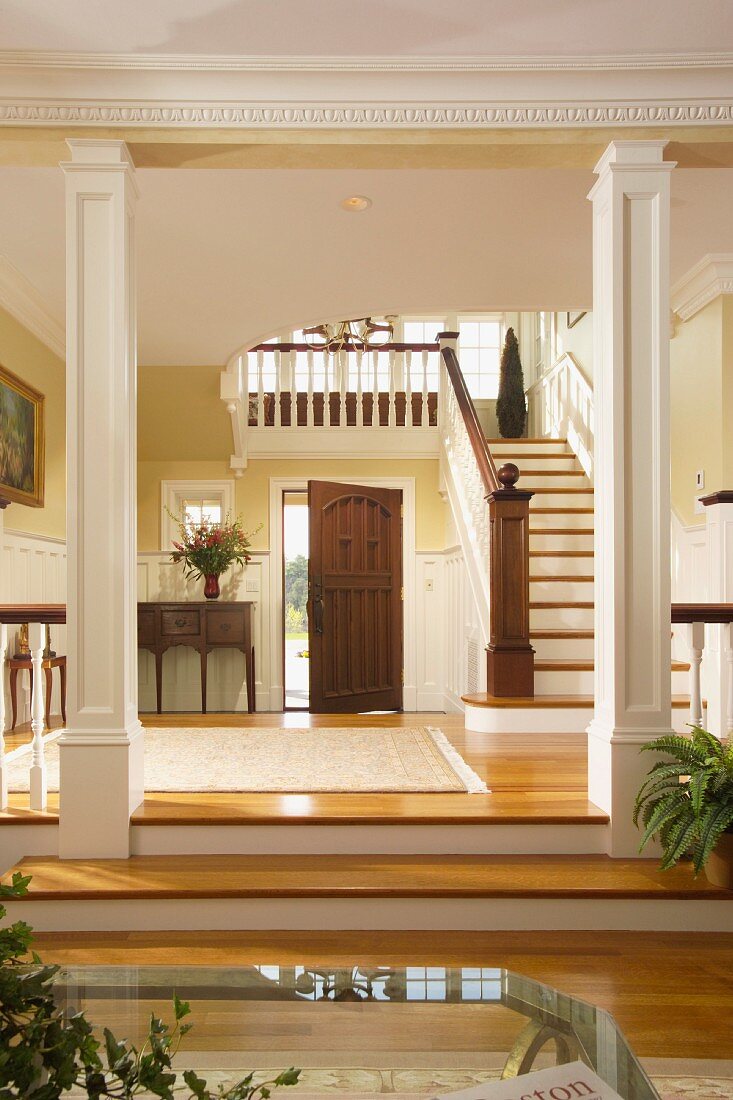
(23, 302)
(703, 283)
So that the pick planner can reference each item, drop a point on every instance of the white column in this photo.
(632, 460)
(102, 751)
(718, 665)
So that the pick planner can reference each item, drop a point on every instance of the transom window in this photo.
(194, 502)
(479, 353)
(199, 510)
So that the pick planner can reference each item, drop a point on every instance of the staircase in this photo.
(561, 607)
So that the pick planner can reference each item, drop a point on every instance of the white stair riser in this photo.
(551, 480)
(560, 590)
(546, 719)
(385, 913)
(557, 500)
(564, 682)
(568, 540)
(560, 618)
(565, 520)
(551, 566)
(544, 462)
(563, 649)
(518, 446)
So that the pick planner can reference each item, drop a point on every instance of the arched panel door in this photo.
(355, 598)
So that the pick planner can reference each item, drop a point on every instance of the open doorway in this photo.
(295, 602)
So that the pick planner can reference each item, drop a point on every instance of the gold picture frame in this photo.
(575, 315)
(22, 442)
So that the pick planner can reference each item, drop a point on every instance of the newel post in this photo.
(510, 657)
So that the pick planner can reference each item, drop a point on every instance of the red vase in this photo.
(211, 587)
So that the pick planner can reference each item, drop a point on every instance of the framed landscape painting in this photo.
(22, 444)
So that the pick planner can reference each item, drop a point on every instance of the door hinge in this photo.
(402, 676)
(402, 593)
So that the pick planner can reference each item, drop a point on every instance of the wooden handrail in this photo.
(13, 614)
(354, 347)
(702, 612)
(476, 434)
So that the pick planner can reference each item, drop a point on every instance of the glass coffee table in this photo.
(360, 1031)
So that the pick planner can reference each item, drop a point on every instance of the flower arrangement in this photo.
(209, 549)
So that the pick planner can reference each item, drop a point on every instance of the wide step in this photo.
(190, 877)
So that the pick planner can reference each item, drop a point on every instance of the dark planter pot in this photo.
(211, 587)
(719, 867)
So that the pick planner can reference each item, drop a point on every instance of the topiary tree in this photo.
(511, 407)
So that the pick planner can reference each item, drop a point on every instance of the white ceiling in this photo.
(227, 257)
(409, 28)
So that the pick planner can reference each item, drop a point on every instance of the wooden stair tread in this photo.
(527, 439)
(558, 488)
(561, 553)
(560, 531)
(359, 876)
(484, 699)
(539, 454)
(558, 634)
(559, 512)
(555, 578)
(552, 664)
(537, 604)
(552, 473)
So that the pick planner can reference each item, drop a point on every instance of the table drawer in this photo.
(146, 627)
(177, 623)
(224, 627)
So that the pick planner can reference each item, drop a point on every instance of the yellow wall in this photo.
(253, 489)
(697, 409)
(180, 414)
(23, 354)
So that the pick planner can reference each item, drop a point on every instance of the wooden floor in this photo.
(361, 876)
(671, 993)
(533, 778)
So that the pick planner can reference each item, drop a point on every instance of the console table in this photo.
(205, 626)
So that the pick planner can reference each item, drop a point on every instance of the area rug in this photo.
(419, 759)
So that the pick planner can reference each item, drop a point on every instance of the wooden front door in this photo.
(355, 598)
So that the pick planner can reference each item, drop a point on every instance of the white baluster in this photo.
(729, 695)
(343, 375)
(38, 762)
(261, 389)
(359, 420)
(409, 420)
(309, 414)
(277, 420)
(425, 410)
(326, 393)
(375, 388)
(292, 359)
(696, 642)
(3, 770)
(392, 409)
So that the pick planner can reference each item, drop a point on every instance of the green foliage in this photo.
(687, 798)
(511, 405)
(295, 622)
(296, 585)
(44, 1052)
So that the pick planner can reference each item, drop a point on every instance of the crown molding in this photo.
(57, 59)
(703, 283)
(229, 115)
(21, 299)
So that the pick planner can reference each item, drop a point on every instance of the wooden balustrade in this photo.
(509, 654)
(697, 616)
(293, 385)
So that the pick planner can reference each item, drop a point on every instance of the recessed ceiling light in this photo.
(355, 203)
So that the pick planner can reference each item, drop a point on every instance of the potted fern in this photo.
(687, 801)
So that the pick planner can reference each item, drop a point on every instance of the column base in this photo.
(101, 782)
(616, 770)
(510, 672)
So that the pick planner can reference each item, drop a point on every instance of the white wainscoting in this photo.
(448, 656)
(32, 570)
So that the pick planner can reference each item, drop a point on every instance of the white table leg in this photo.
(3, 769)
(38, 765)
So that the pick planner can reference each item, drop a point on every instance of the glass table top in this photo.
(360, 1031)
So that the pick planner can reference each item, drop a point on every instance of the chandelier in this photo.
(361, 334)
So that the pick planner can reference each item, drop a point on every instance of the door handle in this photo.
(318, 607)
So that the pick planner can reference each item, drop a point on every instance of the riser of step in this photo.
(533, 477)
(546, 719)
(563, 591)
(561, 618)
(339, 914)
(564, 498)
(536, 460)
(546, 564)
(580, 682)
(566, 540)
(536, 838)
(562, 649)
(567, 519)
(521, 446)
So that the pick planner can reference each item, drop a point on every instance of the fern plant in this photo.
(687, 798)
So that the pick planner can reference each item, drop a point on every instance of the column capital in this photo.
(98, 153)
(622, 157)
